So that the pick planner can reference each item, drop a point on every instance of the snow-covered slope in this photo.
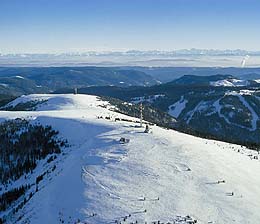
(176, 108)
(230, 82)
(164, 175)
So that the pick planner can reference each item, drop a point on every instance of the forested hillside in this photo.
(22, 146)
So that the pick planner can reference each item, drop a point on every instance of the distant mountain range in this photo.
(25, 80)
(192, 51)
(156, 58)
(214, 80)
(168, 74)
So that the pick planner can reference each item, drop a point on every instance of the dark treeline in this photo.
(163, 119)
(191, 131)
(26, 106)
(9, 197)
(150, 114)
(22, 144)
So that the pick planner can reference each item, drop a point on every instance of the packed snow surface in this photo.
(164, 175)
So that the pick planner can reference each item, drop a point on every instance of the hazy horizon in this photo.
(177, 51)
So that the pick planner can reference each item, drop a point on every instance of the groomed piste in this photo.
(159, 177)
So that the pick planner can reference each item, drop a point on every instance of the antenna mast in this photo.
(141, 115)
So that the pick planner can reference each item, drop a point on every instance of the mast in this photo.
(141, 115)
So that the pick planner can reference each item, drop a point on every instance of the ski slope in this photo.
(176, 108)
(230, 82)
(161, 176)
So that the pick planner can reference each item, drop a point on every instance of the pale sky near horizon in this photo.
(49, 26)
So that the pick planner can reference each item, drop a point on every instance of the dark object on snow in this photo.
(124, 140)
(230, 194)
(147, 129)
(221, 181)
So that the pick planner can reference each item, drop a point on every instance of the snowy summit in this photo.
(159, 177)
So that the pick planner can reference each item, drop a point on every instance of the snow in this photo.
(25, 99)
(221, 83)
(100, 176)
(218, 107)
(176, 108)
(254, 115)
(230, 82)
(201, 106)
(241, 92)
(255, 118)
(238, 82)
(19, 77)
(4, 85)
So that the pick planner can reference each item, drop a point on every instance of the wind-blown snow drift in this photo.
(99, 180)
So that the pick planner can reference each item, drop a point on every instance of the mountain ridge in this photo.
(97, 179)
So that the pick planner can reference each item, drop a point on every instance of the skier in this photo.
(146, 129)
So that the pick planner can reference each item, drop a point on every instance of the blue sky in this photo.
(40, 26)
